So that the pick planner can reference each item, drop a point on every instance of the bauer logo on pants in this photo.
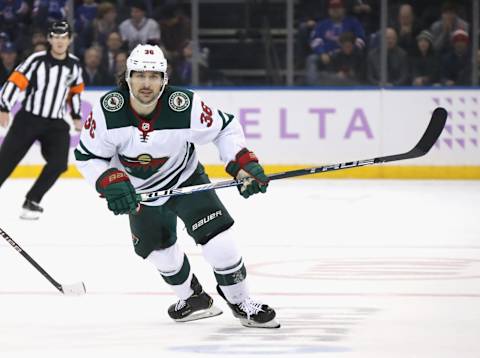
(135, 240)
(206, 219)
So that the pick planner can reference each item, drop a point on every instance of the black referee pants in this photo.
(54, 138)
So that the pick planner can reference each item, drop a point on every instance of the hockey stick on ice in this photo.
(75, 289)
(433, 131)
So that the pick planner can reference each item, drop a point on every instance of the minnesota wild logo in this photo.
(143, 166)
(113, 102)
(178, 101)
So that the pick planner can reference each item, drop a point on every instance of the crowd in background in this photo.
(337, 42)
(105, 32)
(428, 44)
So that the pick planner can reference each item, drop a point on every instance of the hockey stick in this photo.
(75, 289)
(433, 131)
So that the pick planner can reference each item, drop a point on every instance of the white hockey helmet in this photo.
(147, 58)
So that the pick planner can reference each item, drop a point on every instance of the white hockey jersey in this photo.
(157, 152)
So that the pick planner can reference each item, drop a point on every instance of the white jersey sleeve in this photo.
(208, 124)
(95, 150)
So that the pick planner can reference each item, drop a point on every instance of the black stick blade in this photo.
(432, 133)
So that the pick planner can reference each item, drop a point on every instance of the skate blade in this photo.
(252, 324)
(29, 215)
(206, 313)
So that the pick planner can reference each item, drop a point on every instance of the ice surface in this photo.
(354, 268)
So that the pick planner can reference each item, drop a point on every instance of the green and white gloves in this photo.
(116, 187)
(246, 165)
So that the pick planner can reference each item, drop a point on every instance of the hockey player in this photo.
(141, 137)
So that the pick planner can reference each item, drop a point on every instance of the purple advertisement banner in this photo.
(310, 127)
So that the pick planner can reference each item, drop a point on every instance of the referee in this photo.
(50, 79)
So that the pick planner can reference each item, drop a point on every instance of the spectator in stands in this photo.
(105, 23)
(48, 11)
(182, 71)
(424, 65)
(114, 46)
(308, 13)
(120, 64)
(176, 29)
(302, 40)
(443, 29)
(138, 28)
(325, 38)
(8, 56)
(456, 64)
(4, 38)
(38, 37)
(13, 16)
(407, 29)
(41, 46)
(93, 75)
(346, 64)
(397, 67)
(84, 16)
(149, 8)
(367, 12)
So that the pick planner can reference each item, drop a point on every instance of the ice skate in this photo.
(199, 305)
(252, 314)
(31, 210)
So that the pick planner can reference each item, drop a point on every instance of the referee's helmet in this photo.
(59, 28)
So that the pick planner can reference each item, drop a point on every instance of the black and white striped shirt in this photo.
(49, 84)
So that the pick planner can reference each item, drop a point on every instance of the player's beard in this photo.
(147, 100)
(146, 103)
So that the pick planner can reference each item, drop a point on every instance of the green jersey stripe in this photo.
(81, 157)
(226, 121)
(82, 146)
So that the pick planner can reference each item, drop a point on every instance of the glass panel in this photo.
(244, 42)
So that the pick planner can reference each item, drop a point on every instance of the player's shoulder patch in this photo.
(177, 106)
(113, 101)
(179, 101)
(114, 105)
